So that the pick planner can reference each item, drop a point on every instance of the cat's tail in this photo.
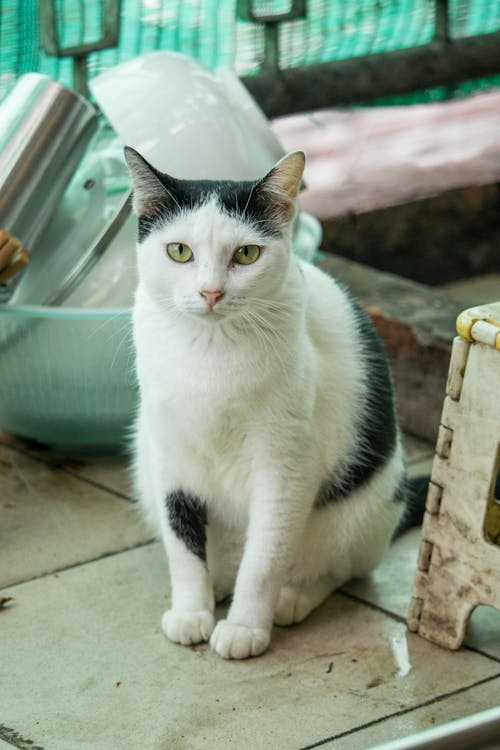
(415, 497)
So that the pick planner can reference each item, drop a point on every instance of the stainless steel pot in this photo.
(44, 130)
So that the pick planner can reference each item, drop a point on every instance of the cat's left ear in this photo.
(281, 185)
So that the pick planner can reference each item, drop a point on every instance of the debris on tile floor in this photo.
(85, 665)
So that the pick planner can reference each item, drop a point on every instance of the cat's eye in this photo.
(246, 254)
(179, 252)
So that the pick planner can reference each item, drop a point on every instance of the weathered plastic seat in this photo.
(459, 556)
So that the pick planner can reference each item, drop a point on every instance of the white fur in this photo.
(249, 407)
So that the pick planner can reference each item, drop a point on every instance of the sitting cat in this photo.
(267, 452)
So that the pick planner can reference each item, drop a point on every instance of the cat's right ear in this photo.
(150, 195)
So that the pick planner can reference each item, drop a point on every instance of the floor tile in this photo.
(4, 745)
(49, 519)
(109, 471)
(421, 466)
(454, 707)
(416, 448)
(86, 649)
(390, 587)
(484, 632)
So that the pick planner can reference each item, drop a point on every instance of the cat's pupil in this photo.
(245, 250)
(181, 248)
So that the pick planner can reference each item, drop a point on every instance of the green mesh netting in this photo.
(209, 31)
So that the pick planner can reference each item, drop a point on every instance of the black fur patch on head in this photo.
(187, 516)
(377, 427)
(242, 200)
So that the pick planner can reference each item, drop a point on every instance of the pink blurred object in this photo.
(364, 159)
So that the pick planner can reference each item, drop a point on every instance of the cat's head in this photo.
(209, 247)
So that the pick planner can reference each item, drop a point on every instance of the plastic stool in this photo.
(459, 556)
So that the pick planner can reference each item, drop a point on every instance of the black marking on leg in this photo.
(377, 427)
(187, 516)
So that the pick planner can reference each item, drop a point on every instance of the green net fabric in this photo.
(209, 31)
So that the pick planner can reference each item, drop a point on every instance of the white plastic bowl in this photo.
(185, 119)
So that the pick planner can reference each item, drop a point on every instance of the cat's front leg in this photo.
(191, 617)
(274, 529)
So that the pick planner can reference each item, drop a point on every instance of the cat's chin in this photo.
(213, 315)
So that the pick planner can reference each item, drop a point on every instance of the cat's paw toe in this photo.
(188, 627)
(233, 641)
(293, 606)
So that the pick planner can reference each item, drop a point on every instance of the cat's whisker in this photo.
(105, 324)
(262, 341)
(274, 308)
(269, 332)
(248, 200)
(118, 349)
(169, 307)
(172, 197)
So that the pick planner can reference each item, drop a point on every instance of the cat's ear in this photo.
(281, 185)
(150, 194)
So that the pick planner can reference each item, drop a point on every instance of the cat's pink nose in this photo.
(212, 296)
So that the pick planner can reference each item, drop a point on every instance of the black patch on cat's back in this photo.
(187, 516)
(377, 428)
(241, 199)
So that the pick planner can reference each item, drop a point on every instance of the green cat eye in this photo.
(179, 252)
(246, 254)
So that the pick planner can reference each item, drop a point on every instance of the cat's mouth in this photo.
(209, 313)
(221, 311)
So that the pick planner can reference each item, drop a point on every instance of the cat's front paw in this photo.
(188, 628)
(233, 641)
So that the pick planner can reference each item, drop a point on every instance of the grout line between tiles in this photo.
(371, 605)
(401, 712)
(399, 618)
(80, 564)
(98, 485)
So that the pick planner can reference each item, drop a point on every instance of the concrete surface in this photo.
(477, 290)
(85, 665)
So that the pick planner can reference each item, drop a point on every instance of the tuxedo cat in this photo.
(267, 453)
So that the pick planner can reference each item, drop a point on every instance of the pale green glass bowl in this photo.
(67, 376)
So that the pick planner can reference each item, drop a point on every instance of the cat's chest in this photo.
(189, 370)
(204, 448)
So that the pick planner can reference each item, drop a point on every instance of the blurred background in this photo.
(231, 33)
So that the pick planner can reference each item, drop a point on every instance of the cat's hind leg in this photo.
(297, 601)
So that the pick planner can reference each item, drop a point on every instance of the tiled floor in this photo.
(84, 664)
